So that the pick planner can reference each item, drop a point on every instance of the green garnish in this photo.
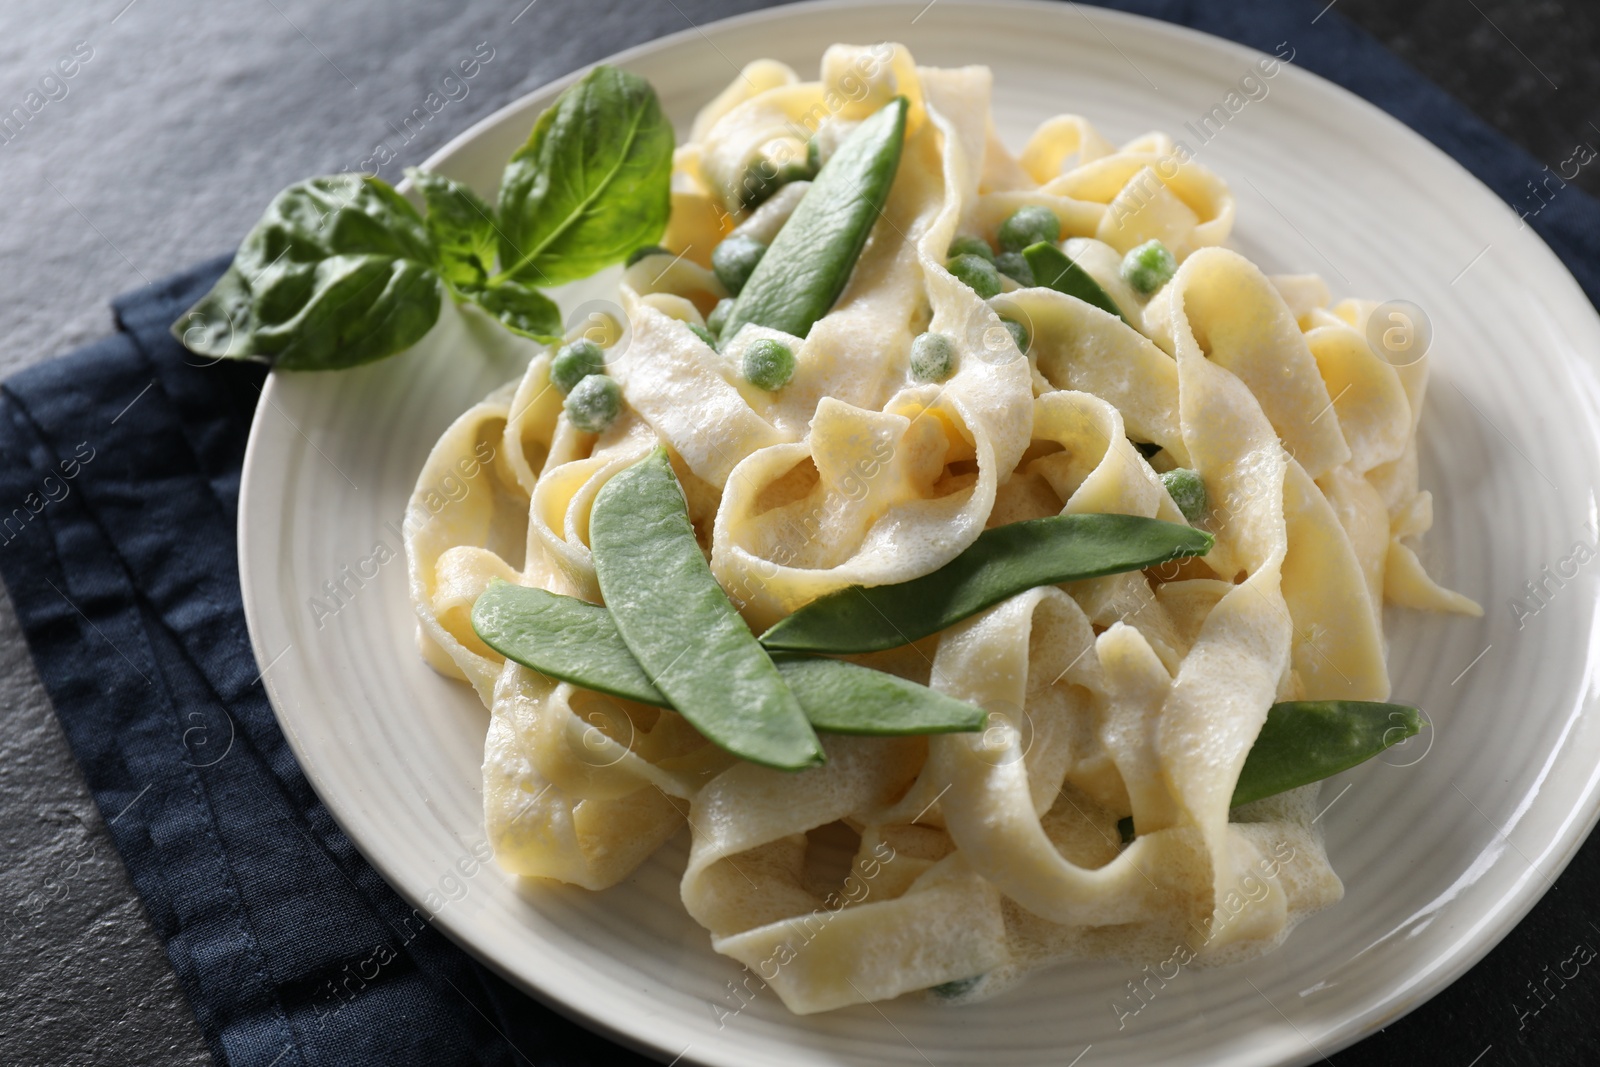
(575, 361)
(342, 270)
(645, 252)
(933, 357)
(1029, 225)
(1018, 332)
(719, 316)
(563, 637)
(734, 260)
(768, 364)
(970, 246)
(680, 625)
(594, 403)
(461, 224)
(810, 260)
(1002, 562)
(591, 184)
(1187, 491)
(578, 642)
(843, 698)
(976, 273)
(1305, 741)
(1014, 265)
(1054, 269)
(1148, 267)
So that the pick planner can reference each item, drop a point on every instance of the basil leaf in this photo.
(519, 309)
(591, 184)
(338, 272)
(1305, 741)
(1002, 562)
(680, 625)
(462, 226)
(220, 323)
(578, 642)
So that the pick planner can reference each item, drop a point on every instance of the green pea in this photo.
(1002, 562)
(933, 357)
(594, 403)
(719, 315)
(970, 246)
(1029, 225)
(735, 260)
(1187, 491)
(977, 273)
(574, 362)
(648, 250)
(1014, 265)
(1148, 267)
(702, 333)
(1018, 332)
(578, 642)
(768, 364)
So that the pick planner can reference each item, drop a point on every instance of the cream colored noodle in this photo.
(985, 854)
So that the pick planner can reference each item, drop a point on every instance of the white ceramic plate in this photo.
(1442, 848)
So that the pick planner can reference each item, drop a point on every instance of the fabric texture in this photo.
(121, 563)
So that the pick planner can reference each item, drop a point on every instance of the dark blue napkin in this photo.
(122, 463)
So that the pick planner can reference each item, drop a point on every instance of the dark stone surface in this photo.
(1530, 69)
(190, 115)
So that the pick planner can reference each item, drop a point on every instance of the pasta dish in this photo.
(874, 362)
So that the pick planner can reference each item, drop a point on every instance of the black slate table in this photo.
(182, 118)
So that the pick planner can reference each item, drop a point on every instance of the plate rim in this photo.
(1447, 967)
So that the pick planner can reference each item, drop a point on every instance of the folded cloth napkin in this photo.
(122, 463)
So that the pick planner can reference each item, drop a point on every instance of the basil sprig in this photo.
(342, 270)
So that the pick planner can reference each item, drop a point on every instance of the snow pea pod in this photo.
(808, 263)
(1002, 562)
(844, 698)
(578, 642)
(1054, 269)
(564, 637)
(1305, 741)
(681, 627)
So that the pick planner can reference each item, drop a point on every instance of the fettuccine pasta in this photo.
(977, 857)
